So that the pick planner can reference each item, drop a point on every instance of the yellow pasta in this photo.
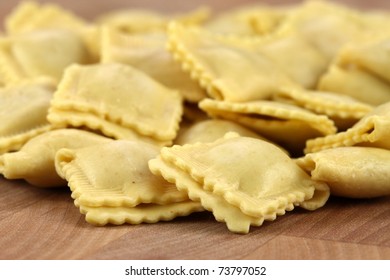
(120, 95)
(34, 162)
(241, 172)
(354, 172)
(115, 174)
(372, 130)
(23, 110)
(246, 114)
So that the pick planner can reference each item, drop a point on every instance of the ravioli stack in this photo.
(246, 114)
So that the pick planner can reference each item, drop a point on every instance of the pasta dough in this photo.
(115, 174)
(26, 56)
(111, 183)
(354, 172)
(23, 110)
(242, 172)
(275, 121)
(372, 130)
(343, 110)
(34, 162)
(147, 53)
(211, 130)
(120, 95)
(227, 69)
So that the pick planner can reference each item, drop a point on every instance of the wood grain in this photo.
(45, 224)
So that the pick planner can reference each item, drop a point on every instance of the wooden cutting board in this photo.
(44, 223)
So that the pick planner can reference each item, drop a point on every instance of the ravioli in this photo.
(344, 110)
(149, 116)
(372, 130)
(247, 21)
(356, 83)
(120, 95)
(241, 171)
(31, 16)
(236, 221)
(211, 130)
(143, 213)
(26, 56)
(372, 56)
(34, 162)
(362, 70)
(115, 174)
(147, 52)
(353, 172)
(279, 47)
(65, 118)
(23, 111)
(276, 121)
(227, 69)
(144, 21)
(326, 26)
(136, 22)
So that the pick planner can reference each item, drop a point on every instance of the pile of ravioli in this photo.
(247, 113)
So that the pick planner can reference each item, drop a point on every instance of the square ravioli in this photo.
(236, 221)
(115, 174)
(121, 95)
(226, 68)
(250, 174)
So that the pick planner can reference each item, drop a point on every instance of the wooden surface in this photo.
(44, 223)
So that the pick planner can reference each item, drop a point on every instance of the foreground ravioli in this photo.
(111, 183)
(115, 174)
(250, 174)
(34, 162)
(235, 219)
(354, 172)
